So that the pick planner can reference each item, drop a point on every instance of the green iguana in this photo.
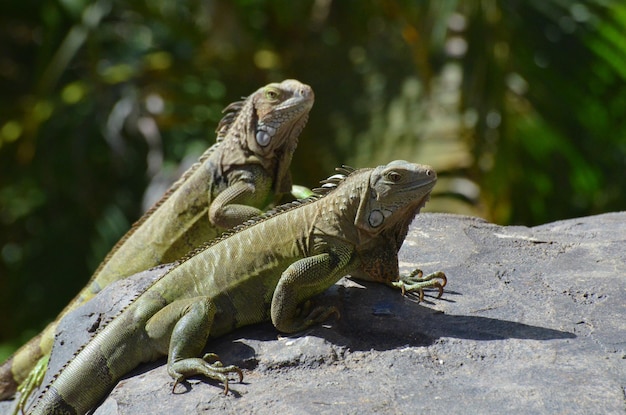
(266, 269)
(239, 175)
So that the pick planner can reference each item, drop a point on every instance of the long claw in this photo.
(416, 282)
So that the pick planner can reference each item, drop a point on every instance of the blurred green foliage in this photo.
(519, 105)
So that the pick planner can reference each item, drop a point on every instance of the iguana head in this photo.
(266, 125)
(281, 111)
(396, 193)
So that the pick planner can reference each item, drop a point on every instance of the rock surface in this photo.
(533, 320)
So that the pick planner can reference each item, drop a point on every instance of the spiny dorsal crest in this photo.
(333, 181)
(328, 185)
(231, 112)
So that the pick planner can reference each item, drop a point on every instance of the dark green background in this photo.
(519, 105)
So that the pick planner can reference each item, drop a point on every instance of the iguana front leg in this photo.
(181, 330)
(416, 282)
(235, 204)
(299, 282)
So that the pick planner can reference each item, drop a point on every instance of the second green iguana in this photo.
(244, 172)
(266, 269)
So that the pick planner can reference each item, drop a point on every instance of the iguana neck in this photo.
(345, 204)
(282, 182)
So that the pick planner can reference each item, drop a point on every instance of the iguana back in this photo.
(242, 173)
(266, 269)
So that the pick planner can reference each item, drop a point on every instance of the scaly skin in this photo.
(266, 269)
(244, 172)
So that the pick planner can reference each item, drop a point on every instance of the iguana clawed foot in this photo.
(216, 370)
(416, 282)
(32, 382)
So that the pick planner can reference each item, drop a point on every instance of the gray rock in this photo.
(533, 320)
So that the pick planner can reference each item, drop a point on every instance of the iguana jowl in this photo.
(266, 269)
(232, 181)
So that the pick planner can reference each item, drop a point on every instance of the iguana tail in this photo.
(97, 366)
(8, 384)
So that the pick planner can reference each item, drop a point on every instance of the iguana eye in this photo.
(271, 94)
(394, 176)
